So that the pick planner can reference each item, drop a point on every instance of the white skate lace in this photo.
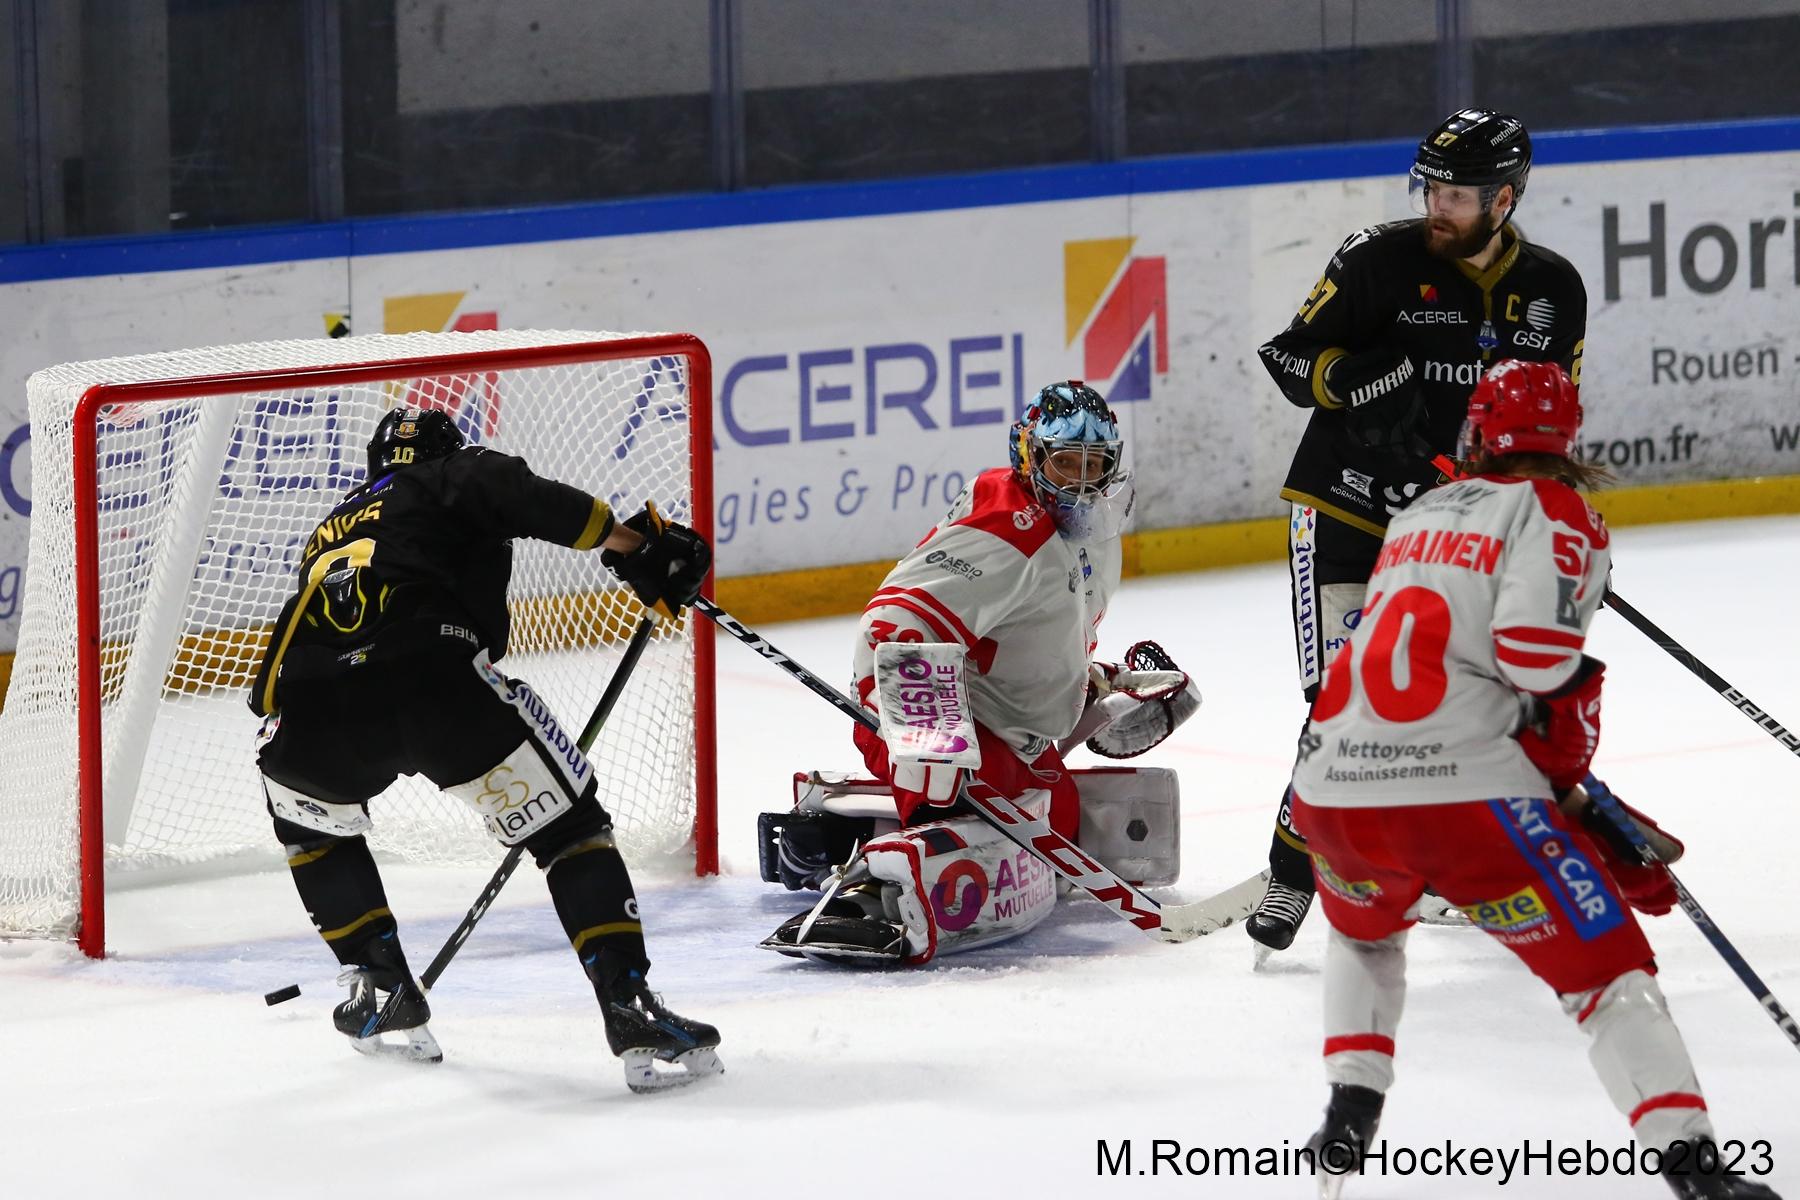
(1285, 903)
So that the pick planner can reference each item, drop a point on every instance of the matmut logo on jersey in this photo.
(1118, 305)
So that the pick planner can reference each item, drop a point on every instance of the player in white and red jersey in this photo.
(1445, 749)
(1011, 584)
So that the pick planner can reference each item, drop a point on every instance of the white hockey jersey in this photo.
(995, 577)
(1484, 589)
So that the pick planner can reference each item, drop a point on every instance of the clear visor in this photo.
(1434, 198)
(1468, 440)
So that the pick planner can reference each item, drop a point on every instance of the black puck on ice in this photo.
(280, 994)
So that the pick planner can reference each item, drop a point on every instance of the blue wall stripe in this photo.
(664, 214)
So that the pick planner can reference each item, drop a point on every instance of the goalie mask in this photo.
(405, 436)
(1068, 451)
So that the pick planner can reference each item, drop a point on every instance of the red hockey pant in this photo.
(1515, 866)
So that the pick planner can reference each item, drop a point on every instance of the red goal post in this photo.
(194, 478)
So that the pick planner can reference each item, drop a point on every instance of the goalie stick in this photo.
(1610, 808)
(633, 651)
(1169, 923)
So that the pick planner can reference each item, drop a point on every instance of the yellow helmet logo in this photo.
(1443, 139)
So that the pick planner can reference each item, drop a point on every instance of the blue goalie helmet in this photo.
(1068, 451)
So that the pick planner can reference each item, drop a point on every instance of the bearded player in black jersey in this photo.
(1385, 351)
(381, 664)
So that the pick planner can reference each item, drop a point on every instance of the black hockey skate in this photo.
(384, 1002)
(1277, 918)
(849, 930)
(643, 1034)
(1695, 1173)
(1351, 1117)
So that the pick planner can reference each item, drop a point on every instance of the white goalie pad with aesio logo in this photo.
(1130, 821)
(959, 884)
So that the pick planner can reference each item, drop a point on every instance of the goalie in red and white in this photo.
(975, 655)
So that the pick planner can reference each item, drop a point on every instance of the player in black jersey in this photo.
(1385, 351)
(381, 664)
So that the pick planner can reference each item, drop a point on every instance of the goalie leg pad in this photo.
(799, 849)
(960, 884)
(1640, 1058)
(1130, 820)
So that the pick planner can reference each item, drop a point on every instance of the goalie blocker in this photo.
(896, 894)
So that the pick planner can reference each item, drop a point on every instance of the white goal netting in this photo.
(203, 499)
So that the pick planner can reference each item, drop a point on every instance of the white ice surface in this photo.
(160, 1072)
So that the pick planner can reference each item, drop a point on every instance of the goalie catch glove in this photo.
(666, 571)
(1148, 697)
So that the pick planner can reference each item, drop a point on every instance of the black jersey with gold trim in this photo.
(1383, 288)
(420, 554)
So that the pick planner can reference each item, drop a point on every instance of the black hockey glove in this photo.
(667, 570)
(1383, 407)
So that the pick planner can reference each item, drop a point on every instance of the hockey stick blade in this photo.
(1032, 834)
(1184, 922)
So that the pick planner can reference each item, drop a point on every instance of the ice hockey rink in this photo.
(160, 1071)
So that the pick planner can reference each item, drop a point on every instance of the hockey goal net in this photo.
(172, 494)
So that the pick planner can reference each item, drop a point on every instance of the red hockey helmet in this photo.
(1522, 407)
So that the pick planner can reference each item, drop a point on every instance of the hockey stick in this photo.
(1609, 807)
(634, 650)
(1686, 658)
(1170, 923)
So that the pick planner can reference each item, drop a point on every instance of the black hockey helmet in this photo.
(1475, 147)
(405, 436)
